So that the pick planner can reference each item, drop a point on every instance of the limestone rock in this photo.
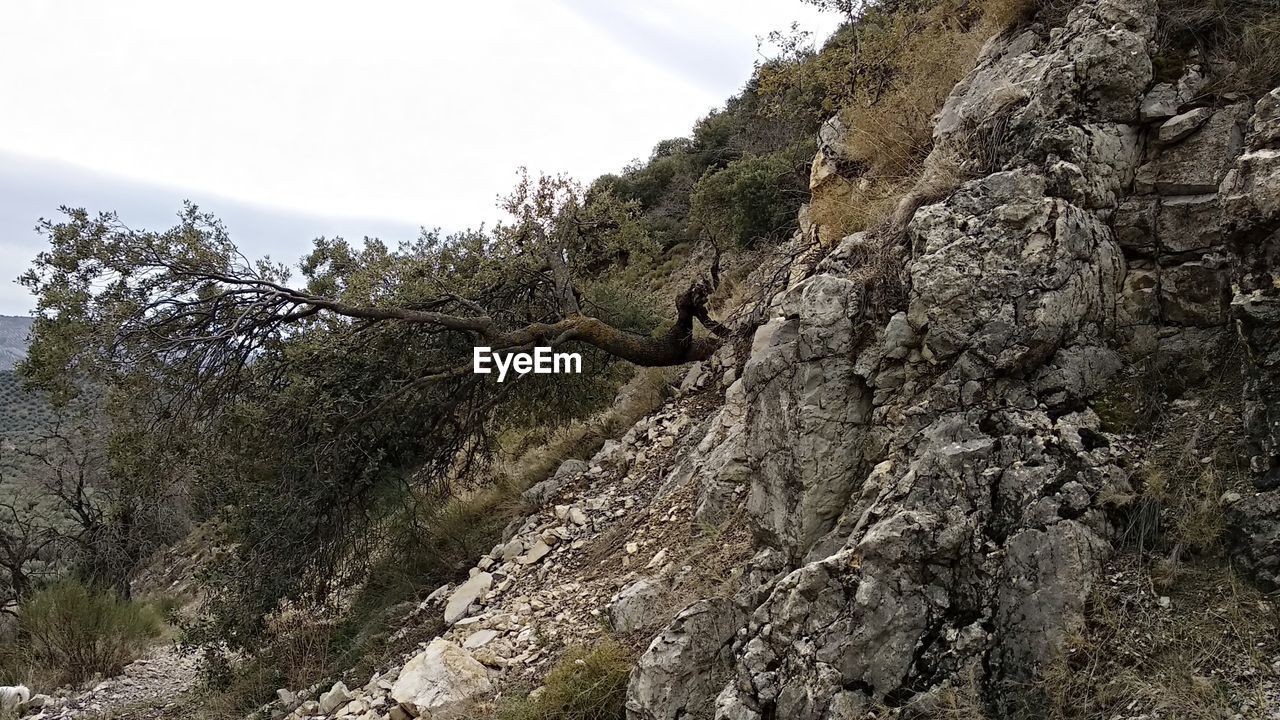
(466, 594)
(1264, 126)
(1197, 165)
(803, 436)
(1178, 128)
(480, 638)
(534, 553)
(835, 157)
(1196, 293)
(443, 681)
(541, 493)
(335, 698)
(1165, 99)
(1187, 223)
(633, 608)
(679, 674)
(11, 696)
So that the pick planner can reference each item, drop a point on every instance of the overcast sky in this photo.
(297, 119)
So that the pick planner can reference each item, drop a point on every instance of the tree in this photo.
(104, 509)
(26, 539)
(302, 410)
(853, 12)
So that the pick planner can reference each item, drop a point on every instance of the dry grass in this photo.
(1187, 413)
(841, 208)
(1241, 36)
(916, 59)
(1204, 656)
(534, 455)
(586, 684)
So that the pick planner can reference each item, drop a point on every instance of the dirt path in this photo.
(149, 689)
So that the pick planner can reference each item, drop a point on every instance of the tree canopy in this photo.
(298, 397)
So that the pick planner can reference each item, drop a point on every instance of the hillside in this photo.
(21, 411)
(13, 340)
(932, 378)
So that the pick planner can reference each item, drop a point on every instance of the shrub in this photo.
(73, 632)
(752, 199)
(587, 684)
(1190, 456)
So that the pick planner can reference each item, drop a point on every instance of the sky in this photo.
(293, 119)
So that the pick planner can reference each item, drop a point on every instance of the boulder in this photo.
(466, 594)
(538, 550)
(635, 607)
(287, 699)
(11, 696)
(442, 682)
(335, 698)
(684, 667)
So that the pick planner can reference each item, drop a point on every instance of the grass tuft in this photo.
(587, 684)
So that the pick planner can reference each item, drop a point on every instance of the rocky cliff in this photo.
(932, 486)
(902, 495)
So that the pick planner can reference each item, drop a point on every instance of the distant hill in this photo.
(20, 411)
(13, 340)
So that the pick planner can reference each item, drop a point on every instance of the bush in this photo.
(587, 684)
(752, 199)
(69, 632)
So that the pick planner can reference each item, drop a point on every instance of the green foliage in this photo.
(68, 632)
(753, 199)
(767, 132)
(434, 541)
(303, 429)
(586, 684)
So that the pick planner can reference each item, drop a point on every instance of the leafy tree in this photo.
(302, 409)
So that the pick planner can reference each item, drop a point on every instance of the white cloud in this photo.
(414, 112)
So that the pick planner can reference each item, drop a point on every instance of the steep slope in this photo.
(1041, 393)
(940, 479)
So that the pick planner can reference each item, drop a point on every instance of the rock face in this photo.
(806, 414)
(916, 458)
(442, 682)
(677, 676)
(926, 478)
